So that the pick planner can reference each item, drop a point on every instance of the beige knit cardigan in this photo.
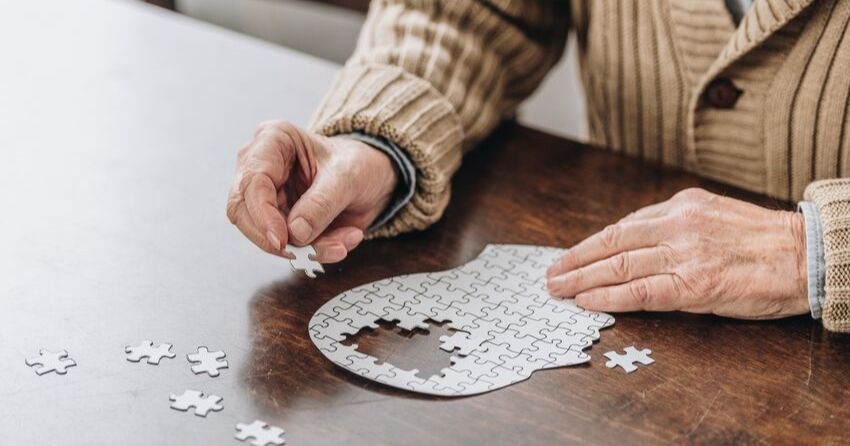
(435, 76)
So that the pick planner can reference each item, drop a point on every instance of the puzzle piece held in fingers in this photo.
(304, 260)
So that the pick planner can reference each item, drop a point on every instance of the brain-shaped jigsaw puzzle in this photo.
(506, 323)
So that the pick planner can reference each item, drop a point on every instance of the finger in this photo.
(612, 240)
(262, 165)
(653, 293)
(234, 200)
(242, 219)
(334, 245)
(273, 152)
(320, 204)
(620, 268)
(261, 202)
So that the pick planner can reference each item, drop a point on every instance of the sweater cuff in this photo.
(832, 200)
(406, 175)
(386, 101)
(815, 262)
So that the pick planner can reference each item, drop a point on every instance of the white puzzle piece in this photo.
(205, 361)
(146, 349)
(303, 260)
(628, 360)
(507, 326)
(47, 361)
(202, 403)
(260, 433)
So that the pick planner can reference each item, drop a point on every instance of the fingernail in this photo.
(557, 280)
(300, 229)
(353, 238)
(558, 267)
(273, 240)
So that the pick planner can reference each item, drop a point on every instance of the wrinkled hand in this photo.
(697, 252)
(294, 186)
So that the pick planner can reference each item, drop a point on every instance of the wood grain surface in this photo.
(118, 130)
(715, 380)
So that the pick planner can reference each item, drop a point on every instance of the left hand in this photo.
(296, 186)
(697, 252)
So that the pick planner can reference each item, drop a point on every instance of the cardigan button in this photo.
(722, 93)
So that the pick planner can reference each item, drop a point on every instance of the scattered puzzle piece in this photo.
(207, 362)
(261, 433)
(146, 350)
(304, 260)
(194, 398)
(506, 324)
(48, 361)
(627, 361)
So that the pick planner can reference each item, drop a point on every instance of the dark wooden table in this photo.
(118, 128)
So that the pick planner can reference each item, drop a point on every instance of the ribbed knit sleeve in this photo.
(832, 198)
(435, 77)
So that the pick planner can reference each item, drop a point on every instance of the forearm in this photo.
(434, 78)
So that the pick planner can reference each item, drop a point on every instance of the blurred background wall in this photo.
(329, 28)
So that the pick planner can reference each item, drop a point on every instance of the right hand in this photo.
(294, 186)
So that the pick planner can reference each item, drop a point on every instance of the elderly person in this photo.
(752, 93)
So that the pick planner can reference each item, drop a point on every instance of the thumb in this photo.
(317, 207)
